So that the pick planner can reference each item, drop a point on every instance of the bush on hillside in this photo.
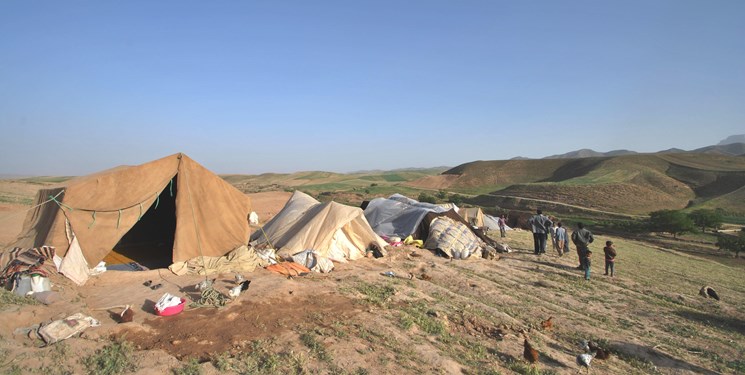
(424, 197)
(707, 218)
(457, 199)
(735, 244)
(670, 221)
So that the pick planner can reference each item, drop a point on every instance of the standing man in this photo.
(582, 238)
(561, 238)
(539, 225)
(502, 222)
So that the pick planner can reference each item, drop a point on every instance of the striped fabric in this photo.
(20, 260)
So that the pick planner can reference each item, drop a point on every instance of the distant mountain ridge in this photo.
(589, 153)
(739, 138)
(734, 145)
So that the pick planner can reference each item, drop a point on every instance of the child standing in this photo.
(610, 257)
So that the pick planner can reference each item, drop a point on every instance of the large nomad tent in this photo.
(165, 211)
(331, 229)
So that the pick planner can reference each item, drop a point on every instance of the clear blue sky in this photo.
(285, 86)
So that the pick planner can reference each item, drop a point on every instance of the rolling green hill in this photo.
(632, 184)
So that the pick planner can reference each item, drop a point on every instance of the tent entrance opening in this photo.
(150, 241)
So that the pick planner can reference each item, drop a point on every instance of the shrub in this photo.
(189, 368)
(735, 244)
(424, 197)
(670, 221)
(114, 358)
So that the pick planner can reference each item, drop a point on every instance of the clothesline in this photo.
(51, 198)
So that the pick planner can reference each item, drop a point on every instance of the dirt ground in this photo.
(436, 316)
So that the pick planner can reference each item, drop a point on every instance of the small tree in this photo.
(442, 194)
(735, 244)
(457, 199)
(670, 221)
(424, 197)
(705, 218)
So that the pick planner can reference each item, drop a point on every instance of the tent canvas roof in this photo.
(472, 215)
(397, 215)
(333, 230)
(172, 199)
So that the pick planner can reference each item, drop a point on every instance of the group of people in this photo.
(542, 227)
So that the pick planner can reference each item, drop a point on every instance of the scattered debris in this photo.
(62, 329)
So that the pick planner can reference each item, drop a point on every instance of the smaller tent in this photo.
(449, 206)
(332, 230)
(492, 223)
(472, 215)
(453, 238)
(401, 216)
(397, 215)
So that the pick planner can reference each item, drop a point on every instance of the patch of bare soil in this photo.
(442, 181)
(628, 198)
(11, 221)
(204, 333)
(267, 204)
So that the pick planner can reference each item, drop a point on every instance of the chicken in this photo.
(584, 359)
(237, 290)
(205, 284)
(708, 291)
(127, 315)
(599, 352)
(238, 278)
(602, 354)
(530, 354)
(548, 323)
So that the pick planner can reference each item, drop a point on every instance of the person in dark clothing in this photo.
(539, 225)
(610, 257)
(582, 238)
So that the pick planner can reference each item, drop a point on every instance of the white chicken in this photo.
(239, 278)
(584, 359)
(235, 291)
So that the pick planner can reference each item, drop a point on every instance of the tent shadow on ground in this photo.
(539, 262)
(629, 351)
(725, 323)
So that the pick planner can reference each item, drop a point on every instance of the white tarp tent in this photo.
(492, 223)
(397, 215)
(331, 229)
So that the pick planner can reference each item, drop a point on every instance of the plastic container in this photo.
(171, 310)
